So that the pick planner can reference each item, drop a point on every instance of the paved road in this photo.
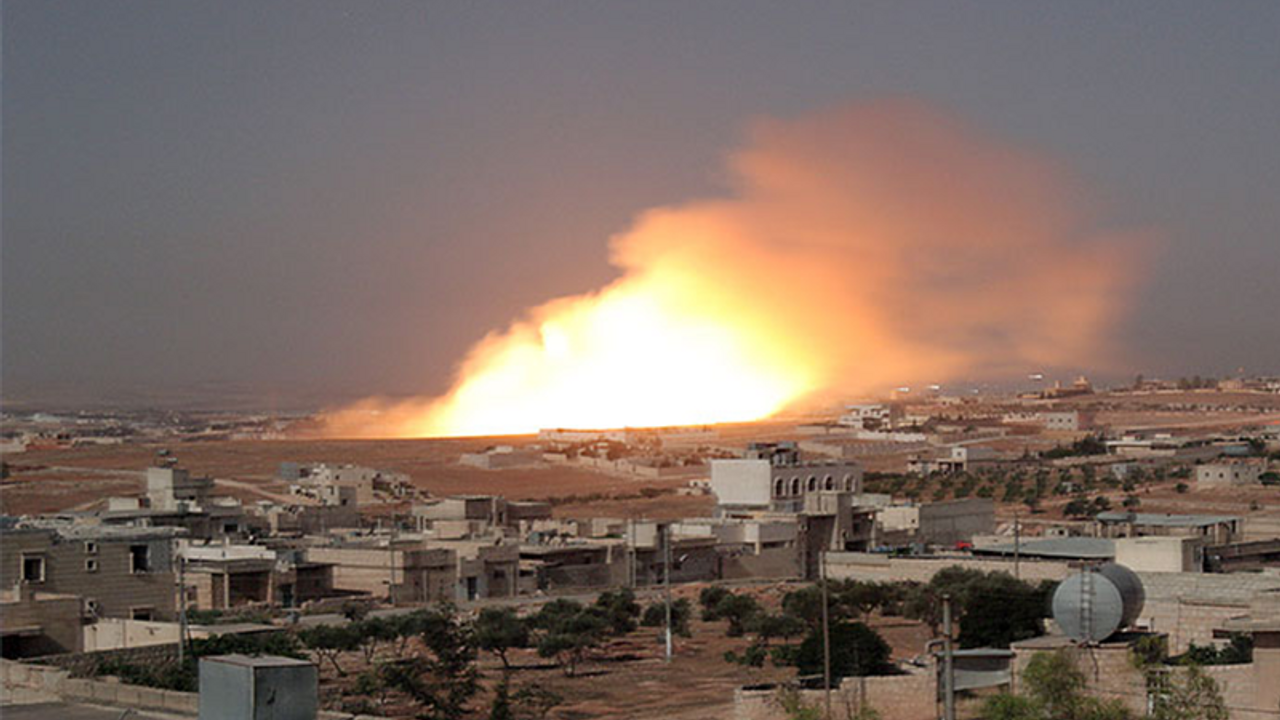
(68, 711)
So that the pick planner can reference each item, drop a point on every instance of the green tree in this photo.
(655, 615)
(1022, 610)
(709, 599)
(443, 680)
(1055, 690)
(620, 610)
(570, 631)
(1077, 508)
(535, 702)
(329, 642)
(1194, 696)
(500, 709)
(1006, 706)
(857, 598)
(373, 631)
(804, 604)
(770, 626)
(856, 650)
(499, 630)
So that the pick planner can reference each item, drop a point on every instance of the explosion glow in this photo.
(867, 246)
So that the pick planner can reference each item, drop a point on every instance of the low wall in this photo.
(893, 697)
(86, 664)
(117, 633)
(22, 682)
(18, 678)
(882, 568)
(1111, 675)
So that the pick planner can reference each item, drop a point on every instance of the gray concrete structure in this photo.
(239, 687)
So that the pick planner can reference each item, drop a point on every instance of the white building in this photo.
(957, 458)
(869, 416)
(773, 477)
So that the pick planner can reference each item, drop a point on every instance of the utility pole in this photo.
(182, 605)
(631, 553)
(666, 581)
(948, 664)
(1017, 546)
(826, 634)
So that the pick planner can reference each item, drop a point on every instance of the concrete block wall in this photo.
(1189, 606)
(893, 697)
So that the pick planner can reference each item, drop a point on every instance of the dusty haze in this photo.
(862, 247)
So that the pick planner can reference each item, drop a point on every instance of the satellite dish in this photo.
(1093, 604)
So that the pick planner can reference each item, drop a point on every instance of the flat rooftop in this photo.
(1068, 547)
(1165, 519)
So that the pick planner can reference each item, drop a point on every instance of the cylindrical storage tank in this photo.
(1093, 604)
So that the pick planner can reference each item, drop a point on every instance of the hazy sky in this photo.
(312, 201)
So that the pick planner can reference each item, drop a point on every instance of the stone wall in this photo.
(893, 697)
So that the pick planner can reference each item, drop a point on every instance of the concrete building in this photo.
(501, 457)
(221, 577)
(1161, 554)
(367, 483)
(955, 521)
(958, 458)
(871, 416)
(1212, 529)
(462, 515)
(119, 572)
(171, 489)
(404, 572)
(39, 623)
(413, 571)
(1212, 475)
(582, 564)
(228, 576)
(773, 477)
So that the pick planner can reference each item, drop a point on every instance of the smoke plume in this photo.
(860, 248)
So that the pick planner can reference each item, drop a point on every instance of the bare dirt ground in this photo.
(53, 480)
(627, 678)
(49, 491)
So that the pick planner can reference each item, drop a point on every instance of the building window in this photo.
(91, 548)
(92, 607)
(32, 568)
(779, 487)
(91, 565)
(141, 613)
(795, 486)
(848, 483)
(139, 559)
(813, 483)
(829, 483)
